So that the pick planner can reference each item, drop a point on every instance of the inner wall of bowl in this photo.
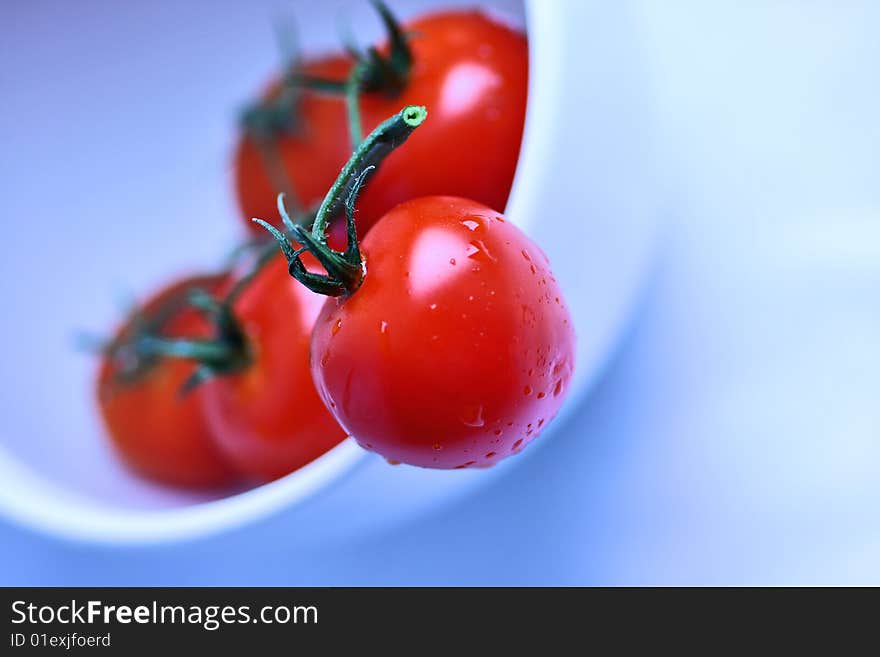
(122, 189)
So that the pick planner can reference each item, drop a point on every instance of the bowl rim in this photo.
(60, 511)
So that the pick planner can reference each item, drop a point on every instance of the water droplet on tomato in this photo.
(527, 391)
(433, 306)
(470, 224)
(452, 261)
(437, 447)
(392, 462)
(383, 326)
(472, 416)
(557, 389)
(490, 455)
(477, 249)
(541, 395)
(336, 327)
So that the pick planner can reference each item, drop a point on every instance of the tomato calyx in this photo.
(345, 269)
(134, 351)
(385, 73)
(265, 121)
(374, 72)
(228, 351)
(269, 117)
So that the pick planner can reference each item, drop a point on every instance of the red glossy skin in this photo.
(457, 349)
(158, 433)
(268, 419)
(472, 74)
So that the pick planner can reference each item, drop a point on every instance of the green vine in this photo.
(345, 270)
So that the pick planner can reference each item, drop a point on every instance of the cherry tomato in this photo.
(267, 418)
(469, 70)
(457, 349)
(160, 433)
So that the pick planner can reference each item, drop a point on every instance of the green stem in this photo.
(387, 74)
(400, 57)
(227, 351)
(266, 251)
(204, 351)
(345, 270)
(352, 105)
(390, 134)
(315, 83)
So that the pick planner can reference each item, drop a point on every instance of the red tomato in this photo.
(457, 348)
(158, 432)
(469, 70)
(267, 418)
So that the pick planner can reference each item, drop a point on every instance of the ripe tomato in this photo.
(457, 348)
(158, 432)
(267, 418)
(469, 70)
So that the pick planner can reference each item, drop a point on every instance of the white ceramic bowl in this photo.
(586, 189)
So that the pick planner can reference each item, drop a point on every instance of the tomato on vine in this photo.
(446, 342)
(250, 370)
(456, 349)
(470, 70)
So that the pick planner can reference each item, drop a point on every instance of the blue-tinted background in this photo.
(735, 437)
